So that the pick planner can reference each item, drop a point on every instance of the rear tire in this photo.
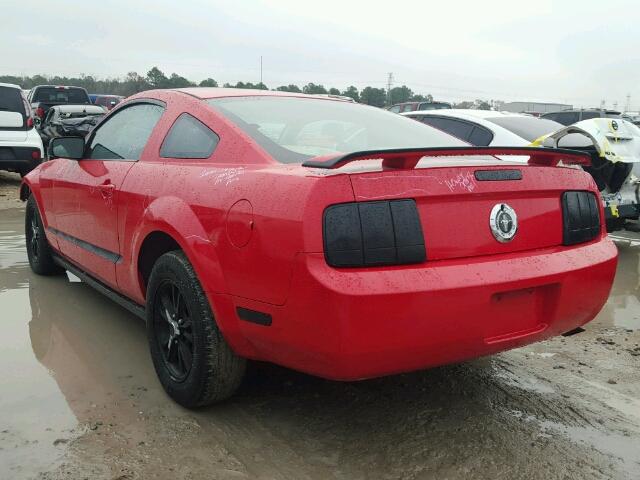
(194, 363)
(38, 248)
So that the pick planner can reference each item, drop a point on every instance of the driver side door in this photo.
(87, 190)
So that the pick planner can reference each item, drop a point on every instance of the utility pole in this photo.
(261, 70)
(389, 85)
(628, 105)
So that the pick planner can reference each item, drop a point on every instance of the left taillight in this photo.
(40, 112)
(362, 234)
(581, 217)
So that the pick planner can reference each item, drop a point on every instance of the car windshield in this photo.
(60, 95)
(529, 128)
(293, 130)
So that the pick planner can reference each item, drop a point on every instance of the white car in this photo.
(20, 144)
(483, 128)
(613, 144)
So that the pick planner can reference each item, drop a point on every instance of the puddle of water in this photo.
(12, 254)
(623, 306)
(33, 413)
(614, 444)
(66, 353)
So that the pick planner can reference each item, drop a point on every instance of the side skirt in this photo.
(120, 299)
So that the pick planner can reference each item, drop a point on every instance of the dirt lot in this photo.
(79, 399)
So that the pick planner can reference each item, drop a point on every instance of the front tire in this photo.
(194, 363)
(38, 249)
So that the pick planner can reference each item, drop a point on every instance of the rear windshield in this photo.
(529, 128)
(11, 100)
(60, 95)
(293, 130)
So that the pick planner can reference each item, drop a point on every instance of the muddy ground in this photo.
(79, 399)
(9, 185)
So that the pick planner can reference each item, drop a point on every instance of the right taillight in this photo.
(581, 217)
(361, 234)
(40, 112)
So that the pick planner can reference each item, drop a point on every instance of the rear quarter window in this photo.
(189, 138)
(480, 137)
(452, 126)
(11, 100)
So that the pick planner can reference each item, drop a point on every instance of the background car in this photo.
(575, 115)
(310, 232)
(70, 120)
(487, 127)
(633, 117)
(615, 179)
(106, 101)
(43, 97)
(412, 106)
(20, 145)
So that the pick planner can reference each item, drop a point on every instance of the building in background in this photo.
(534, 108)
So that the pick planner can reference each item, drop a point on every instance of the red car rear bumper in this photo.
(356, 323)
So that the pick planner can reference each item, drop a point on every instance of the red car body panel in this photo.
(252, 229)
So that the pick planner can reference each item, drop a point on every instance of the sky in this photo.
(576, 52)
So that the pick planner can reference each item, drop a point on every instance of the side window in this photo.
(459, 129)
(395, 109)
(189, 138)
(480, 136)
(125, 134)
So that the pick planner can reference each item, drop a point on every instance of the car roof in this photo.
(10, 85)
(570, 110)
(464, 113)
(205, 93)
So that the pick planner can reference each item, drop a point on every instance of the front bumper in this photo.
(349, 324)
(19, 159)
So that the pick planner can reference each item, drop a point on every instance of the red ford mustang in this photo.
(329, 237)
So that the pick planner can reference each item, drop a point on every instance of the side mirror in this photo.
(66, 147)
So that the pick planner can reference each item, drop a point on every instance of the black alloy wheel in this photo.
(174, 330)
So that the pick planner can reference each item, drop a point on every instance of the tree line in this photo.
(155, 78)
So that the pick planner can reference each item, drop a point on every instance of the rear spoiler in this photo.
(408, 158)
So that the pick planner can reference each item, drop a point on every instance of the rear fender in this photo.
(31, 185)
(174, 217)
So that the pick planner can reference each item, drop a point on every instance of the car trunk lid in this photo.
(459, 195)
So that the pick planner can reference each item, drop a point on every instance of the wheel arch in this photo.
(169, 223)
